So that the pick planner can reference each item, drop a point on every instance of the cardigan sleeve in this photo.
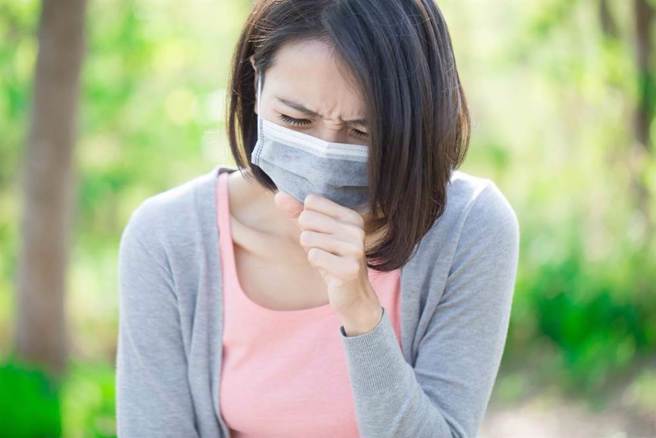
(152, 392)
(446, 393)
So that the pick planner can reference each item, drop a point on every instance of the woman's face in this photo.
(305, 90)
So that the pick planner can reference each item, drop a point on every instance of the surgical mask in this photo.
(299, 163)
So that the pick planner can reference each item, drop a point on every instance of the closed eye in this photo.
(295, 122)
(305, 122)
(360, 133)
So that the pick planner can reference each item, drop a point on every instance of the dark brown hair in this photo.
(400, 54)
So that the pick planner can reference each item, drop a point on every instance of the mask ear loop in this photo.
(258, 145)
(259, 105)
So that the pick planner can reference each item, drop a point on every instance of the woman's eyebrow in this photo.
(303, 109)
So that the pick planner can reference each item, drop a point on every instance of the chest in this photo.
(279, 279)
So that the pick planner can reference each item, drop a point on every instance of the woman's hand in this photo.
(334, 241)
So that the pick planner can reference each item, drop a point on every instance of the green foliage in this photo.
(88, 401)
(599, 315)
(17, 50)
(34, 405)
(552, 103)
(29, 402)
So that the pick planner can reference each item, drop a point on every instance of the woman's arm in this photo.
(446, 394)
(152, 392)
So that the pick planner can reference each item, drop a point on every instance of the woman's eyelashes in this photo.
(294, 122)
(303, 123)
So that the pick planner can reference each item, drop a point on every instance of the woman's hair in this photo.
(400, 55)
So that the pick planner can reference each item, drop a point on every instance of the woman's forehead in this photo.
(307, 73)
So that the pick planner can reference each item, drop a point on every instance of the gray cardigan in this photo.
(456, 296)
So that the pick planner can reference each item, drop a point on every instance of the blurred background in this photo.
(105, 103)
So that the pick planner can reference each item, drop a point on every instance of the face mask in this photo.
(300, 164)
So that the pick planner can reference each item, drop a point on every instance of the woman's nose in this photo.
(332, 133)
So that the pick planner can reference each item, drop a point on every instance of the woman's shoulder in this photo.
(477, 213)
(177, 213)
(479, 209)
(470, 194)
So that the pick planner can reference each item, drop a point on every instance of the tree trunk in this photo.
(645, 107)
(47, 178)
(644, 14)
(608, 25)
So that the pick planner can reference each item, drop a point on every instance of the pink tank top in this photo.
(284, 372)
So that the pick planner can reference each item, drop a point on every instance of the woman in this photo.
(347, 281)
